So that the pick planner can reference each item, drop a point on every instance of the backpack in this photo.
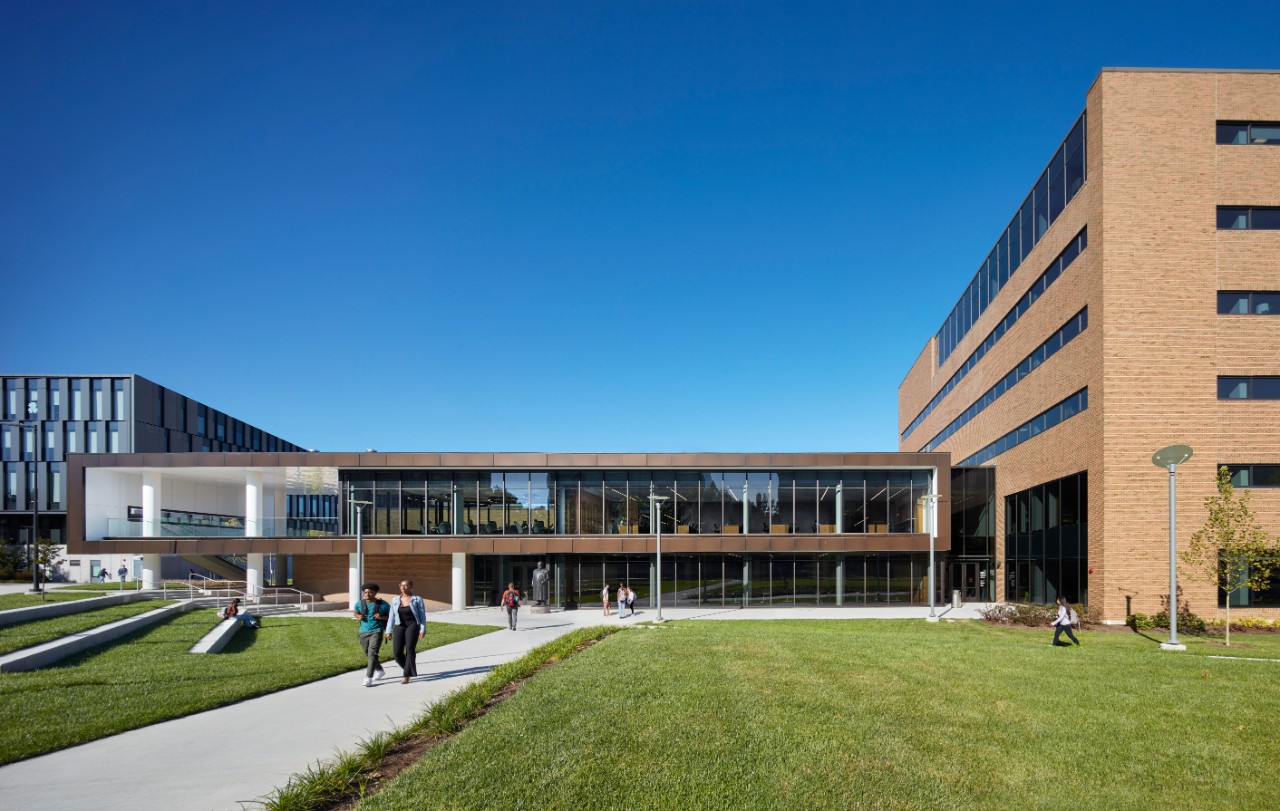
(1073, 617)
(512, 599)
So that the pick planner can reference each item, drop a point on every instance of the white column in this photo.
(353, 579)
(253, 505)
(150, 571)
(152, 495)
(459, 581)
(275, 524)
(253, 573)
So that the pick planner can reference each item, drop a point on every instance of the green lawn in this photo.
(871, 714)
(107, 690)
(24, 599)
(37, 632)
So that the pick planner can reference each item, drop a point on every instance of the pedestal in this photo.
(539, 609)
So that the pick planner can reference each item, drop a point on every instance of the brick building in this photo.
(1123, 309)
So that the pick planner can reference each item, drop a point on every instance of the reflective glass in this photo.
(1265, 303)
(1233, 133)
(1233, 218)
(1265, 219)
(1232, 303)
(1233, 388)
(735, 503)
(1264, 134)
(1265, 388)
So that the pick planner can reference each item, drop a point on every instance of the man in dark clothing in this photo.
(373, 613)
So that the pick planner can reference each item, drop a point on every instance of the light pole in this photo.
(33, 423)
(1170, 458)
(655, 502)
(930, 502)
(359, 505)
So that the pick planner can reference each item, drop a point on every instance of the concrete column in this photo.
(840, 580)
(459, 581)
(150, 571)
(353, 578)
(280, 511)
(253, 506)
(152, 495)
(253, 573)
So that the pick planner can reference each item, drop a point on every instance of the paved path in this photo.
(221, 758)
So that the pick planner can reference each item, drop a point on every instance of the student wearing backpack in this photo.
(372, 612)
(511, 602)
(1063, 622)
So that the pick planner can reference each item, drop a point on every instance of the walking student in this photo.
(511, 602)
(1063, 622)
(604, 598)
(408, 625)
(372, 612)
(623, 593)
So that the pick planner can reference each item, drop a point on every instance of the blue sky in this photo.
(536, 226)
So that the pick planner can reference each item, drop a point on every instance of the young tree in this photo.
(1230, 550)
(47, 560)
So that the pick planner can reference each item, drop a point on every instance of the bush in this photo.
(1140, 622)
(1245, 624)
(1020, 614)
(1188, 621)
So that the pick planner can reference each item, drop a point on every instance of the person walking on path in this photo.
(511, 602)
(408, 625)
(631, 602)
(604, 598)
(623, 592)
(372, 612)
(1063, 622)
(123, 572)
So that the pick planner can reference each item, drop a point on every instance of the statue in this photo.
(541, 577)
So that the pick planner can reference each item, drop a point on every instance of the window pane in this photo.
(1230, 303)
(1233, 133)
(1265, 388)
(1233, 218)
(1267, 219)
(1264, 134)
(1233, 388)
(1057, 197)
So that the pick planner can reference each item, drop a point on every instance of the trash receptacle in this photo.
(955, 598)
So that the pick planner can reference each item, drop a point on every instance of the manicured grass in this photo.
(110, 585)
(26, 599)
(869, 714)
(108, 690)
(37, 632)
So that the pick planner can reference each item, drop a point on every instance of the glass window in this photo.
(735, 503)
(591, 506)
(77, 400)
(1042, 206)
(99, 402)
(1265, 388)
(113, 437)
(711, 502)
(1229, 133)
(1057, 195)
(1233, 218)
(686, 503)
(93, 446)
(761, 488)
(1264, 133)
(1264, 303)
(1233, 303)
(1027, 219)
(1075, 160)
(1264, 219)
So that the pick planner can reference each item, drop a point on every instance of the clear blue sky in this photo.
(594, 226)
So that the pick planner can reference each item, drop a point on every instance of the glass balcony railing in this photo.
(231, 528)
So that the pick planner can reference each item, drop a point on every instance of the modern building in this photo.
(123, 413)
(1126, 306)
(737, 529)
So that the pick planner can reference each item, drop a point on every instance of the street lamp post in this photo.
(930, 500)
(656, 503)
(33, 423)
(359, 505)
(1170, 458)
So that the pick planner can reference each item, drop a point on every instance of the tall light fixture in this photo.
(655, 503)
(929, 501)
(359, 505)
(1170, 458)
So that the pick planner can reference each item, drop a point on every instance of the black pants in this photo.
(404, 646)
(511, 615)
(1058, 629)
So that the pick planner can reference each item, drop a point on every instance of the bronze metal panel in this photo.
(806, 460)
(210, 460)
(375, 546)
(346, 460)
(399, 546)
(658, 460)
(756, 543)
(782, 460)
(633, 460)
(373, 460)
(264, 460)
(558, 459)
(559, 545)
(451, 544)
(235, 546)
(316, 460)
(613, 460)
(506, 546)
(425, 546)
(758, 460)
(519, 460)
(293, 546)
(423, 460)
(581, 460)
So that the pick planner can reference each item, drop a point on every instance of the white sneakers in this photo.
(368, 682)
(379, 674)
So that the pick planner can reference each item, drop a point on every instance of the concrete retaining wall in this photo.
(59, 649)
(38, 612)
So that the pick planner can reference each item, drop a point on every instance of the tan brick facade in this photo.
(1155, 344)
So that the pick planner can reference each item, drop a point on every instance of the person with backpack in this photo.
(1064, 621)
(511, 602)
(631, 601)
(373, 613)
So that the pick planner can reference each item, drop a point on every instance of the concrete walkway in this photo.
(222, 758)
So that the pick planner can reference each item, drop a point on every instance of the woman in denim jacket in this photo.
(408, 625)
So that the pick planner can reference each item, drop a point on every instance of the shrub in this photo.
(1188, 621)
(1246, 624)
(1020, 614)
(1139, 622)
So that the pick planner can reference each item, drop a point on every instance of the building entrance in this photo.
(967, 576)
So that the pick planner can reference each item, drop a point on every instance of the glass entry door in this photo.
(966, 576)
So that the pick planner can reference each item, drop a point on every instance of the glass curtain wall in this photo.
(1047, 541)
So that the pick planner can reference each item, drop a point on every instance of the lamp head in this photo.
(1172, 455)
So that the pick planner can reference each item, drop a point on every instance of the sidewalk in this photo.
(221, 758)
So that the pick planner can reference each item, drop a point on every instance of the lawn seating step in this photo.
(14, 616)
(217, 639)
(49, 653)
